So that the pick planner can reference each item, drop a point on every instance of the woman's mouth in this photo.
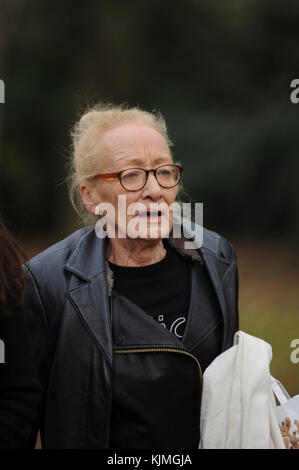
(150, 214)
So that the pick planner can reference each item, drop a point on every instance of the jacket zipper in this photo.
(179, 351)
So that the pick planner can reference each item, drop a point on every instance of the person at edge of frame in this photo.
(20, 390)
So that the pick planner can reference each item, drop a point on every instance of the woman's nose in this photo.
(152, 187)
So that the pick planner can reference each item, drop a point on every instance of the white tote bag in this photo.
(238, 409)
(287, 415)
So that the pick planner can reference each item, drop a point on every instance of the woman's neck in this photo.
(134, 253)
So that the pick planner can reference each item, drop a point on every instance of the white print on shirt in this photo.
(174, 326)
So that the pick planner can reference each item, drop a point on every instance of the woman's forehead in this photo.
(133, 136)
(134, 145)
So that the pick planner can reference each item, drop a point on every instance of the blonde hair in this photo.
(85, 138)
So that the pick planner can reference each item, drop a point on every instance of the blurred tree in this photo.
(219, 71)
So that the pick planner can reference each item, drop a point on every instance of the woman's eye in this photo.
(130, 175)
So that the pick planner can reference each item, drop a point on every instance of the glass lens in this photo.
(133, 178)
(168, 175)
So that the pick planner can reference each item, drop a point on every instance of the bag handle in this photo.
(279, 391)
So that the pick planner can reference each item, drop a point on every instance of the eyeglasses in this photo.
(134, 179)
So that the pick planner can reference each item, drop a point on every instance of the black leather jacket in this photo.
(67, 312)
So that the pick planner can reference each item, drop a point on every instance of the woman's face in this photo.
(132, 146)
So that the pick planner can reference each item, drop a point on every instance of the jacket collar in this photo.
(88, 258)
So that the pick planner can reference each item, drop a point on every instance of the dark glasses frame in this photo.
(154, 170)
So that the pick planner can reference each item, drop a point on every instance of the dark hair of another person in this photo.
(12, 279)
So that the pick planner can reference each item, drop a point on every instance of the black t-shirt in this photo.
(161, 289)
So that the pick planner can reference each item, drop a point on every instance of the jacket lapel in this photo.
(88, 290)
(217, 269)
(206, 251)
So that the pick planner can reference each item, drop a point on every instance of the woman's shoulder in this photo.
(210, 241)
(205, 240)
(217, 244)
(60, 251)
(46, 279)
(45, 272)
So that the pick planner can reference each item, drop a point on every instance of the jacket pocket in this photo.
(156, 398)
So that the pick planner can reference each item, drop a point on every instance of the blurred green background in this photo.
(220, 73)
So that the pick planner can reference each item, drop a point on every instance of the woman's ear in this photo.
(90, 198)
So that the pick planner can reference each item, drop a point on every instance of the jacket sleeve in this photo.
(23, 375)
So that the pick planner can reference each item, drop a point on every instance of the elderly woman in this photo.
(123, 326)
